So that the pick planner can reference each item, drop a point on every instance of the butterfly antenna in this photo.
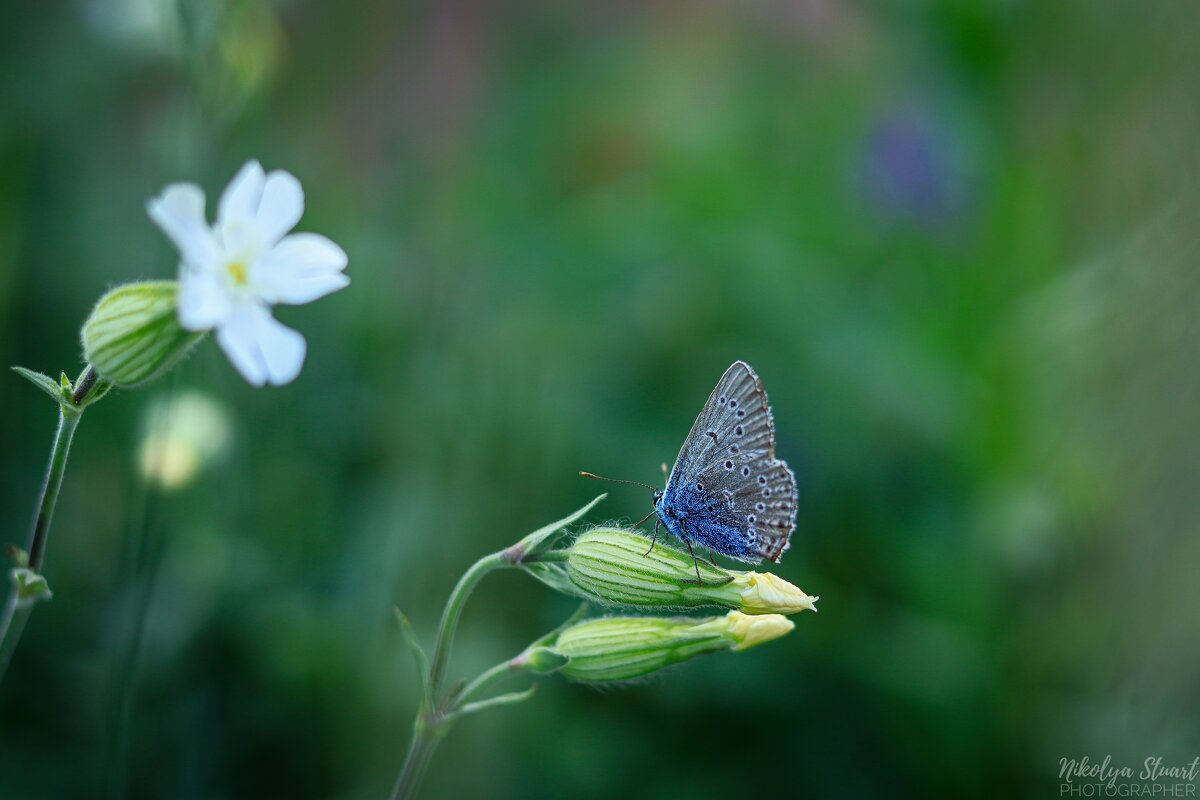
(618, 480)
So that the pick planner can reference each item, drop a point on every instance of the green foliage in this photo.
(55, 390)
(917, 221)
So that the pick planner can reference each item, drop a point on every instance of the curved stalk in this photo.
(462, 590)
(438, 711)
(426, 735)
(434, 716)
(482, 680)
(12, 621)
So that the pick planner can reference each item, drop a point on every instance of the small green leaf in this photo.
(100, 390)
(419, 657)
(494, 702)
(43, 382)
(543, 538)
(31, 587)
(540, 657)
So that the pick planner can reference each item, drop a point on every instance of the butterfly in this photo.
(727, 491)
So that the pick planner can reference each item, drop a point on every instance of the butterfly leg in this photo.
(657, 522)
(712, 559)
(643, 519)
(695, 563)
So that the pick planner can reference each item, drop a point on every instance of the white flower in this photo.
(233, 272)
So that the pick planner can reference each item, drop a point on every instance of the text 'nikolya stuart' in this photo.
(1086, 778)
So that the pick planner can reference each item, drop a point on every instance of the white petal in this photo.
(240, 200)
(179, 211)
(263, 349)
(281, 207)
(301, 268)
(203, 301)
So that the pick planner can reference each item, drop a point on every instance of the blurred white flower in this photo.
(183, 434)
(234, 271)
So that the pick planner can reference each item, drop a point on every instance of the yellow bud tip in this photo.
(748, 630)
(764, 593)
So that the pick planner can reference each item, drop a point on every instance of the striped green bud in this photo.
(623, 648)
(133, 334)
(618, 567)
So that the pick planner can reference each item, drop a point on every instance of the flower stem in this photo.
(68, 420)
(458, 598)
(12, 621)
(432, 722)
(426, 735)
(483, 679)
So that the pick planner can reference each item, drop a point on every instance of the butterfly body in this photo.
(727, 491)
(693, 516)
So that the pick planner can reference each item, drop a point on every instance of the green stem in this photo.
(482, 680)
(458, 598)
(12, 621)
(432, 722)
(68, 420)
(12, 625)
(426, 735)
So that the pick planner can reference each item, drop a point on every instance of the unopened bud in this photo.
(617, 566)
(623, 648)
(133, 334)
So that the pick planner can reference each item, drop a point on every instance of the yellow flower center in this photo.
(237, 271)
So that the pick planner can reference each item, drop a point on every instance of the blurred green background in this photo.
(956, 239)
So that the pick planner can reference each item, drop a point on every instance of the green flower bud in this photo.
(613, 566)
(622, 648)
(133, 334)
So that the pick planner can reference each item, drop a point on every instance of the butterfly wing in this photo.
(730, 453)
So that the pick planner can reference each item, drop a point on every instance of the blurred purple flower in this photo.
(909, 172)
